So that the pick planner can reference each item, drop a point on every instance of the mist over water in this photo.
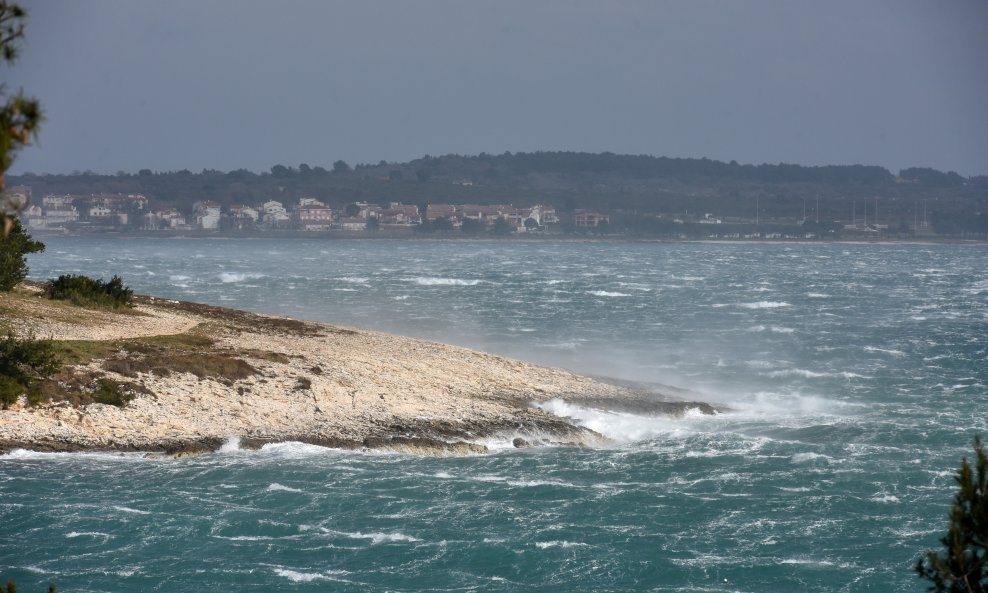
(853, 377)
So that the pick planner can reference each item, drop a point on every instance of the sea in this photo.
(851, 380)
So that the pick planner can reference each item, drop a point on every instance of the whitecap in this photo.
(885, 351)
(558, 544)
(882, 497)
(276, 487)
(535, 483)
(807, 374)
(797, 373)
(379, 537)
(74, 534)
(605, 293)
(307, 577)
(229, 277)
(806, 562)
(765, 305)
(298, 577)
(433, 281)
(130, 510)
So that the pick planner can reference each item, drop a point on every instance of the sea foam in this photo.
(620, 426)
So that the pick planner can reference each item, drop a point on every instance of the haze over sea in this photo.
(854, 378)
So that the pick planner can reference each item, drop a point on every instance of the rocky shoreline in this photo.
(200, 375)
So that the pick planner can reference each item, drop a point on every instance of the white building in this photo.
(207, 214)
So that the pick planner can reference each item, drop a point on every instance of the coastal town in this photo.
(102, 213)
(447, 197)
(135, 212)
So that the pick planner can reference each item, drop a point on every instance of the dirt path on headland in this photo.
(62, 321)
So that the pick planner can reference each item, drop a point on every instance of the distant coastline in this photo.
(541, 193)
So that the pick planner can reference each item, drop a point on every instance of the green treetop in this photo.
(962, 565)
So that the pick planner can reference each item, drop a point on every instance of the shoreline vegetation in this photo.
(190, 377)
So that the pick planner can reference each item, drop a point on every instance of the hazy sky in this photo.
(128, 84)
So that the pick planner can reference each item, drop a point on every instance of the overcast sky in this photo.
(128, 85)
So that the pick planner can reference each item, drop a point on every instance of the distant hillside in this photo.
(611, 183)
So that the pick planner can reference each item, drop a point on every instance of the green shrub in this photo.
(87, 292)
(10, 390)
(108, 392)
(24, 363)
(14, 246)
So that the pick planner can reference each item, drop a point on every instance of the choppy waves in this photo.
(849, 386)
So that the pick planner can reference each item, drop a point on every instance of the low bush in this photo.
(24, 364)
(86, 292)
(108, 392)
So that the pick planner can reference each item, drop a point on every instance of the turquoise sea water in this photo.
(855, 376)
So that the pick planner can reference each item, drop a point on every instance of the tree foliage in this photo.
(15, 244)
(962, 565)
(20, 115)
(501, 227)
(471, 226)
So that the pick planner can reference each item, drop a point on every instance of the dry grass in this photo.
(180, 353)
(78, 387)
(157, 355)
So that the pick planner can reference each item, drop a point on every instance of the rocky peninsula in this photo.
(197, 375)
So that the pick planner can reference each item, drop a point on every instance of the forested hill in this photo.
(607, 182)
